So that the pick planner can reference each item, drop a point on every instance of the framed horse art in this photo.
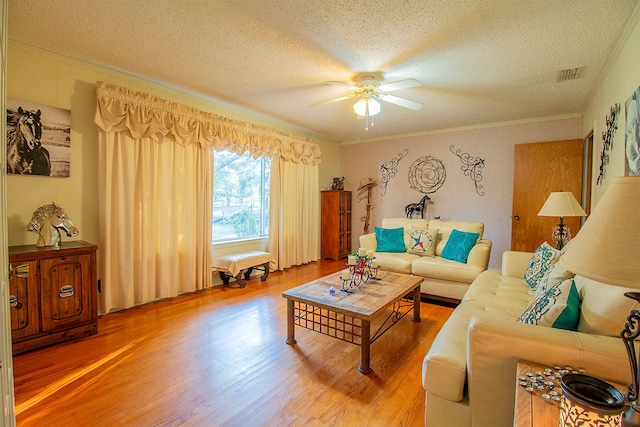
(38, 139)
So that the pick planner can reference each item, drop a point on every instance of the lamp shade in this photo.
(607, 248)
(360, 107)
(561, 203)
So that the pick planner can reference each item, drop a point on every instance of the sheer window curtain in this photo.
(156, 194)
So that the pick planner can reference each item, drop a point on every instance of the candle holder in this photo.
(360, 271)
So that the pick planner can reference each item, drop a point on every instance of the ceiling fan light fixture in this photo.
(363, 104)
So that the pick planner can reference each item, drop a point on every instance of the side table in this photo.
(530, 408)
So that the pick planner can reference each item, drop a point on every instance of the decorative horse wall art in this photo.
(25, 153)
(417, 207)
(47, 221)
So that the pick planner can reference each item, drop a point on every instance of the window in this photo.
(240, 197)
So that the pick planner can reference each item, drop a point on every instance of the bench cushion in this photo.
(235, 263)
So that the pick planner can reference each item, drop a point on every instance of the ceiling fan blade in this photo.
(400, 84)
(329, 101)
(401, 101)
(349, 85)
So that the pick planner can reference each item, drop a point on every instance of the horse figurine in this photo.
(417, 207)
(25, 153)
(46, 221)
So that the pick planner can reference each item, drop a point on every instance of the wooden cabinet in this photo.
(336, 224)
(53, 294)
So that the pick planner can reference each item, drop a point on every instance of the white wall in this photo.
(457, 199)
(617, 85)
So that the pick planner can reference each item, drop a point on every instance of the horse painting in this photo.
(47, 221)
(25, 153)
(417, 207)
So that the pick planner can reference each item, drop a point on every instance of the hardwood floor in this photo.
(219, 358)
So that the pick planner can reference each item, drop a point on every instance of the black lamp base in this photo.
(631, 416)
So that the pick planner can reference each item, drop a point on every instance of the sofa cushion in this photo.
(445, 269)
(398, 262)
(490, 283)
(390, 239)
(543, 258)
(423, 242)
(558, 307)
(459, 245)
(604, 309)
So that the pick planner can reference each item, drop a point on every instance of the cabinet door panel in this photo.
(64, 300)
(23, 299)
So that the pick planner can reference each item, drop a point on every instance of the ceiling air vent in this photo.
(568, 74)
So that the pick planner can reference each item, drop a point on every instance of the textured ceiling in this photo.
(479, 61)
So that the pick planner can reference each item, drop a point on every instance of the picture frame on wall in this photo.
(632, 134)
(38, 139)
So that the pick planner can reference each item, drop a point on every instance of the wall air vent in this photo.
(568, 74)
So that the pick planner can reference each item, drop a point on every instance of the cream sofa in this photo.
(444, 279)
(469, 371)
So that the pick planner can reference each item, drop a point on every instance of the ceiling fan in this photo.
(369, 91)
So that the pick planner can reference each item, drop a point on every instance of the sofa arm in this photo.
(514, 263)
(369, 242)
(480, 253)
(494, 347)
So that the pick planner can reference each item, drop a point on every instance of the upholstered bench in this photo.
(234, 264)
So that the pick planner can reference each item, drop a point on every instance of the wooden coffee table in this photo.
(348, 316)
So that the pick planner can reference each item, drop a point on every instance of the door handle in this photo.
(516, 217)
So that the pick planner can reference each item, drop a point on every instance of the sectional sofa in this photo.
(469, 372)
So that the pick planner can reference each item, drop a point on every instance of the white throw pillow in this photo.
(604, 307)
(543, 258)
(555, 275)
(557, 307)
(423, 242)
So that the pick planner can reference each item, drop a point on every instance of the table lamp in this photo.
(561, 204)
(607, 250)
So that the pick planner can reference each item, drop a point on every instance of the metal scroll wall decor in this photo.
(471, 167)
(389, 170)
(607, 139)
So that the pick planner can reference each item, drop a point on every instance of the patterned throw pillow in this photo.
(389, 239)
(554, 276)
(558, 307)
(543, 258)
(459, 245)
(423, 242)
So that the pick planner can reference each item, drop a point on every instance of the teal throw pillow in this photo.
(389, 239)
(459, 245)
(543, 258)
(558, 307)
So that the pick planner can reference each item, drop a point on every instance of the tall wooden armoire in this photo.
(336, 224)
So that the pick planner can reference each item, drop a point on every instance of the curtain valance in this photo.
(141, 115)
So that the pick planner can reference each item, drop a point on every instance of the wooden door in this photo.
(540, 169)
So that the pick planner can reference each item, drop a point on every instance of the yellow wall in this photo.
(39, 76)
